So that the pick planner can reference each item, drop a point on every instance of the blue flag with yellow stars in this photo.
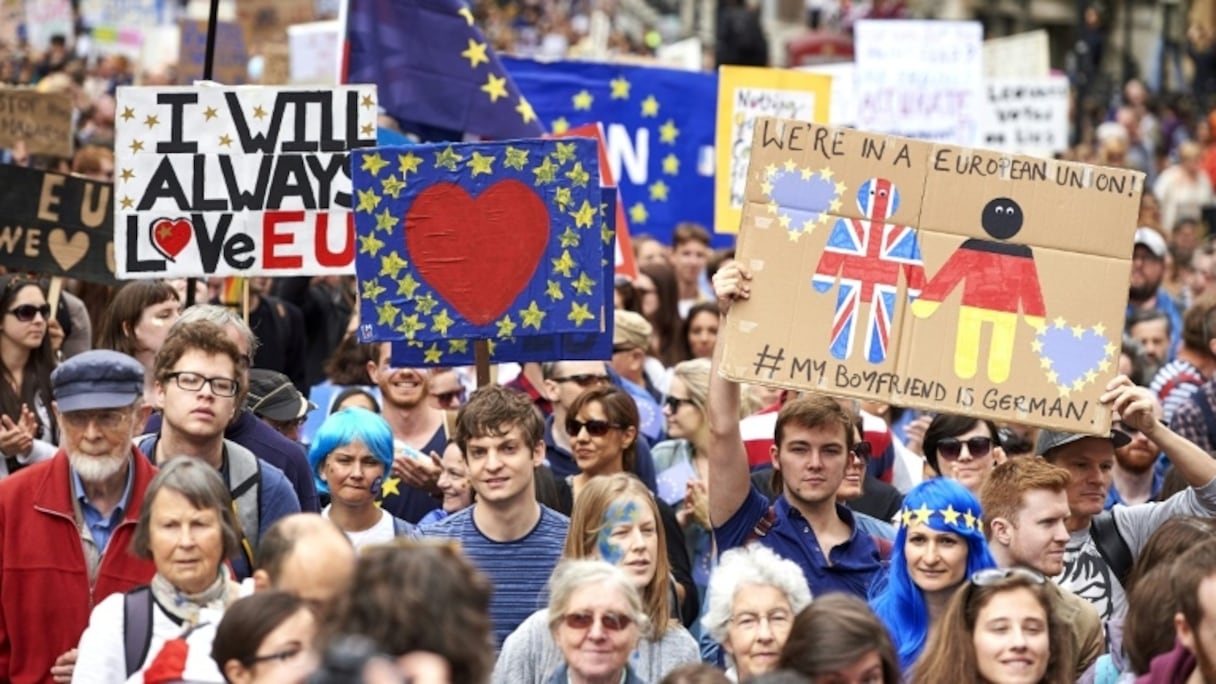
(433, 66)
(658, 126)
(479, 240)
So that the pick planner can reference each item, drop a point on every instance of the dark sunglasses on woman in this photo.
(26, 312)
(951, 448)
(595, 428)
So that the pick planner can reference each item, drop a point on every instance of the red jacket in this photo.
(45, 599)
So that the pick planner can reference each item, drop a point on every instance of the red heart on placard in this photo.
(478, 254)
(170, 236)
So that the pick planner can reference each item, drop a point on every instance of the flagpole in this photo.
(213, 16)
(344, 61)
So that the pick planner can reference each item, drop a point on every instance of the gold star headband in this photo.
(924, 514)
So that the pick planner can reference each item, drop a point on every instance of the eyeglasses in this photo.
(610, 621)
(108, 419)
(26, 312)
(778, 619)
(621, 348)
(990, 576)
(448, 398)
(674, 403)
(281, 656)
(951, 448)
(862, 451)
(583, 379)
(595, 428)
(193, 382)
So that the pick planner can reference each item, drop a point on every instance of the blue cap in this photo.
(98, 379)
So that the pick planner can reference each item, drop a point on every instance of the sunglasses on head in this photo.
(990, 576)
(610, 622)
(595, 428)
(26, 312)
(951, 448)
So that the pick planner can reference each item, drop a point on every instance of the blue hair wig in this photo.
(345, 427)
(895, 598)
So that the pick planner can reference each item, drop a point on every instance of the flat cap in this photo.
(630, 329)
(1050, 439)
(272, 395)
(97, 379)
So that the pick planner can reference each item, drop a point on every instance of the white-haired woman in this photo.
(596, 617)
(754, 595)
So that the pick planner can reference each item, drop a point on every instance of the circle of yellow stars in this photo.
(923, 515)
(805, 173)
(1109, 350)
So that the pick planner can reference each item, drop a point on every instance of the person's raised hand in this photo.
(731, 282)
(1134, 405)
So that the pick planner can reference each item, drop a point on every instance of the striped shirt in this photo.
(1174, 384)
(518, 569)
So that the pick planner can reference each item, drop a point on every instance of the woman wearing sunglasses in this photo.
(939, 544)
(963, 448)
(602, 424)
(28, 432)
(615, 519)
(999, 629)
(596, 618)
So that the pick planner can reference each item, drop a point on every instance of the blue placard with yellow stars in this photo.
(659, 129)
(479, 240)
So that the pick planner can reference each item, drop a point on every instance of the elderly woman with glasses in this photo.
(596, 617)
(999, 628)
(187, 527)
(754, 595)
(963, 448)
(28, 432)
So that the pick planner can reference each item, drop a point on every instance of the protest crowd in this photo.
(211, 477)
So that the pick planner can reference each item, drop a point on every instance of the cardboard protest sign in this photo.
(266, 21)
(934, 276)
(231, 61)
(744, 95)
(237, 181)
(56, 224)
(47, 18)
(119, 26)
(479, 240)
(1022, 55)
(920, 79)
(1028, 116)
(42, 120)
(622, 255)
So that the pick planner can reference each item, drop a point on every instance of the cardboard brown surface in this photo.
(1021, 326)
(43, 120)
(266, 21)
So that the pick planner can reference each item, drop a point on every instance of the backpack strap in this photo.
(1111, 545)
(137, 627)
(246, 472)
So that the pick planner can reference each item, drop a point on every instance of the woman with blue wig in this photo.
(351, 454)
(939, 545)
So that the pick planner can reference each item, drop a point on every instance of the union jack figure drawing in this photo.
(865, 256)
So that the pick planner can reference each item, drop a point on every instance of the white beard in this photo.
(97, 468)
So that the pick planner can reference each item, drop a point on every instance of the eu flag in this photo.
(659, 126)
(433, 66)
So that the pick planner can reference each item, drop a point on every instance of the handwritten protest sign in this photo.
(42, 120)
(119, 26)
(47, 18)
(479, 240)
(230, 63)
(1029, 116)
(745, 94)
(920, 79)
(266, 21)
(56, 224)
(237, 181)
(1022, 55)
(316, 52)
(936, 277)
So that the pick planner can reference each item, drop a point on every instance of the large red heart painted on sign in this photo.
(170, 236)
(478, 254)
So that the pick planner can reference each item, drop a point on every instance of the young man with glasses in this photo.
(89, 495)
(197, 385)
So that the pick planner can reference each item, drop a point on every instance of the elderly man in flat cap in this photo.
(66, 523)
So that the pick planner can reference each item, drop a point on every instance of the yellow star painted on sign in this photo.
(569, 238)
(468, 15)
(506, 327)
(367, 101)
(458, 346)
(410, 325)
(1045, 364)
(370, 244)
(668, 132)
(1036, 346)
(1104, 366)
(1078, 385)
(650, 106)
(805, 172)
(481, 164)
(582, 100)
(475, 53)
(560, 125)
(495, 87)
(532, 316)
(766, 188)
(1078, 332)
(448, 159)
(1110, 349)
(1053, 377)
(371, 289)
(225, 140)
(840, 188)
(546, 172)
(671, 165)
(825, 173)
(1090, 376)
(432, 354)
(789, 165)
(408, 163)
(390, 486)
(407, 286)
(564, 152)
(584, 285)
(516, 159)
(524, 108)
(553, 290)
(259, 112)
(210, 113)
(426, 303)
(563, 265)
(658, 191)
(1059, 322)
(372, 163)
(386, 221)
(950, 515)
(151, 120)
(578, 175)
(392, 264)
(368, 200)
(579, 313)
(585, 216)
(620, 88)
(834, 206)
(562, 198)
(367, 129)
(784, 220)
(127, 202)
(128, 113)
(606, 234)
(441, 322)
(386, 313)
(637, 213)
(127, 174)
(136, 146)
(1100, 330)
(773, 207)
(392, 187)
